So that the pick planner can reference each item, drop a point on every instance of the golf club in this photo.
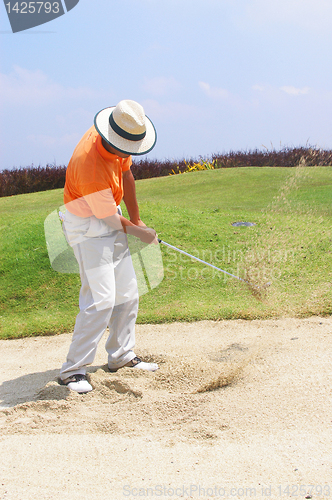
(211, 265)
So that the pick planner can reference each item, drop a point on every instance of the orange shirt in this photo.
(94, 178)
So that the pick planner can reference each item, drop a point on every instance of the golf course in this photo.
(241, 404)
(289, 246)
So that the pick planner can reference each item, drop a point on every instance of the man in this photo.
(98, 177)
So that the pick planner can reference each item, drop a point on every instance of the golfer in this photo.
(98, 177)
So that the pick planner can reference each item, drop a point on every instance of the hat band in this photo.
(123, 133)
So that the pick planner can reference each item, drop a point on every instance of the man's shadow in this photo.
(25, 388)
(29, 388)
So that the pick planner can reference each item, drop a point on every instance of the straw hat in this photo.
(126, 128)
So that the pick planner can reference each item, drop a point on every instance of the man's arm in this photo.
(129, 197)
(133, 226)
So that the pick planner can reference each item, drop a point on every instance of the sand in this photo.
(238, 409)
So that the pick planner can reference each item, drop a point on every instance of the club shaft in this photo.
(200, 260)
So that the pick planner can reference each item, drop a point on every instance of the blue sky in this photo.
(213, 76)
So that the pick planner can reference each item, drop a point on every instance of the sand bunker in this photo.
(172, 396)
(256, 393)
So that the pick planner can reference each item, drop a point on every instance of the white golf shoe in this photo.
(78, 383)
(137, 364)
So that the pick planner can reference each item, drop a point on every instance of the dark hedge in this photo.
(33, 179)
(286, 157)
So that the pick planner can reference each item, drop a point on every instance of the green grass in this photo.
(290, 245)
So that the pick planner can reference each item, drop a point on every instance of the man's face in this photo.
(114, 151)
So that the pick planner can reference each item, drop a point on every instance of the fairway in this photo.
(290, 245)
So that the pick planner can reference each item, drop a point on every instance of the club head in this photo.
(266, 285)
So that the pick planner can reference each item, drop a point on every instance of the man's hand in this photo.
(149, 235)
(145, 234)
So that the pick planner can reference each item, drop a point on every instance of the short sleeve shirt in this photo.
(94, 178)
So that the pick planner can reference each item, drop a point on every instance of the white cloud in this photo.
(24, 87)
(213, 92)
(295, 91)
(309, 14)
(274, 93)
(160, 86)
(170, 110)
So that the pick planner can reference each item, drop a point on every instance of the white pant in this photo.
(108, 296)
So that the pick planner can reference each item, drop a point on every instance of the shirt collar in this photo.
(103, 152)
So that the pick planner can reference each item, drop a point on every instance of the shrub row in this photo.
(33, 179)
(286, 157)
